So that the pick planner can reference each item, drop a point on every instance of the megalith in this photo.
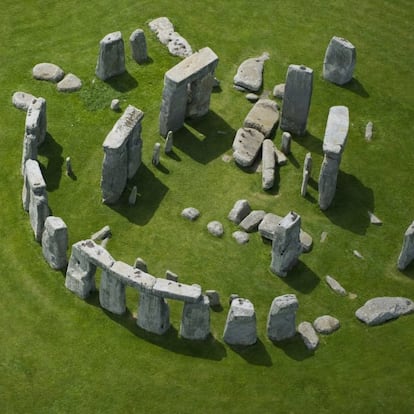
(55, 242)
(281, 321)
(112, 293)
(153, 313)
(297, 99)
(122, 154)
(333, 146)
(339, 62)
(138, 46)
(195, 321)
(407, 251)
(268, 164)
(111, 58)
(286, 245)
(187, 90)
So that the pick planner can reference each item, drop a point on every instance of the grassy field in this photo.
(60, 354)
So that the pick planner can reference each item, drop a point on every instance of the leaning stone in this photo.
(309, 336)
(133, 196)
(267, 226)
(249, 75)
(246, 146)
(103, 233)
(286, 143)
(169, 275)
(70, 83)
(22, 100)
(195, 320)
(368, 131)
(115, 105)
(141, 265)
(251, 223)
(407, 251)
(55, 242)
(326, 324)
(190, 213)
(138, 45)
(252, 97)
(268, 164)
(379, 310)
(213, 298)
(240, 326)
(263, 117)
(339, 62)
(215, 228)
(48, 72)
(241, 237)
(240, 210)
(280, 157)
(111, 59)
(374, 219)
(112, 294)
(281, 319)
(279, 91)
(335, 286)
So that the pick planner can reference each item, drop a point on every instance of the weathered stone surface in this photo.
(335, 286)
(281, 158)
(373, 219)
(133, 196)
(267, 226)
(169, 142)
(169, 275)
(326, 324)
(48, 72)
(101, 234)
(252, 97)
(232, 297)
(297, 98)
(70, 83)
(309, 336)
(286, 246)
(240, 326)
(131, 276)
(195, 320)
(22, 100)
(339, 62)
(153, 313)
(241, 237)
(122, 154)
(104, 242)
(268, 164)
(306, 241)
(368, 131)
(112, 294)
(240, 210)
(190, 213)
(407, 251)
(281, 321)
(178, 291)
(179, 46)
(279, 91)
(215, 228)
(213, 297)
(138, 45)
(251, 222)
(115, 105)
(69, 169)
(379, 310)
(246, 146)
(55, 242)
(304, 186)
(307, 163)
(111, 58)
(249, 75)
(141, 264)
(286, 143)
(263, 117)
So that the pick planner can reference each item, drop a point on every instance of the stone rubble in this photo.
(263, 117)
(241, 237)
(190, 213)
(169, 142)
(102, 234)
(246, 146)
(132, 199)
(373, 219)
(169, 275)
(115, 105)
(215, 228)
(141, 264)
(156, 154)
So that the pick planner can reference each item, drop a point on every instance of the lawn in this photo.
(61, 354)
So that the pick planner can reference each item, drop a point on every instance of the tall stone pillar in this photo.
(55, 242)
(112, 293)
(138, 46)
(282, 316)
(153, 313)
(195, 321)
(111, 59)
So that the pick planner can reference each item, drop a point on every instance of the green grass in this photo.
(61, 354)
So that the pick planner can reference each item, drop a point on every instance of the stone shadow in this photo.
(218, 139)
(350, 205)
(355, 86)
(52, 172)
(301, 278)
(122, 83)
(312, 143)
(294, 348)
(151, 192)
(409, 270)
(254, 354)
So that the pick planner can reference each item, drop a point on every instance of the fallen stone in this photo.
(153, 313)
(324, 236)
(178, 46)
(252, 97)
(48, 72)
(309, 336)
(326, 324)
(251, 223)
(368, 131)
(138, 45)
(55, 242)
(22, 100)
(101, 234)
(335, 286)
(240, 210)
(249, 75)
(241, 237)
(267, 226)
(379, 310)
(246, 146)
(279, 91)
(111, 59)
(112, 294)
(36, 120)
(282, 316)
(215, 228)
(141, 265)
(263, 117)
(268, 164)
(281, 158)
(171, 276)
(374, 219)
(286, 143)
(115, 105)
(356, 253)
(163, 28)
(407, 250)
(70, 83)
(213, 297)
(306, 241)
(190, 213)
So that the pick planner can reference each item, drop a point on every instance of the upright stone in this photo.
(286, 246)
(112, 294)
(111, 59)
(153, 313)
(297, 99)
(69, 170)
(138, 46)
(240, 326)
(169, 142)
(55, 242)
(339, 62)
(263, 117)
(369, 130)
(304, 186)
(407, 250)
(282, 316)
(156, 153)
(286, 143)
(309, 336)
(141, 265)
(133, 196)
(195, 321)
(36, 120)
(249, 76)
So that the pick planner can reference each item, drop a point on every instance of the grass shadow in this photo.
(254, 354)
(294, 348)
(292, 159)
(123, 83)
(355, 86)
(409, 270)
(312, 143)
(52, 173)
(218, 138)
(301, 278)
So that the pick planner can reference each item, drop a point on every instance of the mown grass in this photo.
(61, 354)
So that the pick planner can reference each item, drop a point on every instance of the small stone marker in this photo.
(324, 235)
(195, 320)
(138, 46)
(101, 234)
(169, 275)
(368, 131)
(156, 154)
(213, 297)
(407, 250)
(133, 196)
(22, 100)
(241, 237)
(286, 143)
(141, 265)
(48, 72)
(309, 336)
(240, 210)
(335, 286)
(69, 170)
(281, 318)
(215, 228)
(115, 105)
(374, 219)
(70, 83)
(169, 142)
(326, 324)
(190, 213)
(55, 242)
(252, 97)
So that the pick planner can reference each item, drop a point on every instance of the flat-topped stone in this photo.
(249, 74)
(70, 83)
(48, 72)
(246, 146)
(132, 276)
(251, 223)
(173, 290)
(407, 250)
(22, 100)
(336, 131)
(263, 117)
(279, 90)
(95, 254)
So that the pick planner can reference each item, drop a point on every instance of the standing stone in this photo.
(339, 62)
(111, 59)
(36, 120)
(169, 275)
(133, 196)
(407, 250)
(335, 286)
(297, 99)
(326, 324)
(286, 143)
(112, 294)
(304, 186)
(69, 170)
(55, 242)
(213, 297)
(104, 233)
(138, 46)
(240, 326)
(268, 164)
(156, 154)
(368, 131)
(309, 336)
(153, 313)
(286, 246)
(195, 320)
(240, 210)
(141, 265)
(241, 237)
(333, 146)
(169, 142)
(249, 76)
(282, 316)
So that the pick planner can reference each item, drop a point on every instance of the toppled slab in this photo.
(335, 286)
(249, 76)
(70, 83)
(268, 164)
(190, 213)
(48, 72)
(263, 117)
(251, 222)
(101, 234)
(246, 146)
(379, 310)
(22, 100)
(132, 276)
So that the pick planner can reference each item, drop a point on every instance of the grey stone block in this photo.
(249, 74)
(268, 164)
(112, 294)
(240, 210)
(213, 297)
(281, 321)
(267, 226)
(251, 223)
(169, 275)
(153, 314)
(246, 146)
(70, 83)
(55, 242)
(22, 100)
(111, 58)
(48, 72)
(178, 291)
(326, 324)
(138, 45)
(195, 320)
